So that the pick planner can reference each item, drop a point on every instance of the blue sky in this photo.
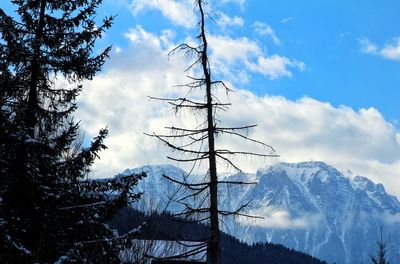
(325, 35)
(320, 78)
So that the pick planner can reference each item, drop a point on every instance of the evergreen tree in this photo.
(381, 252)
(48, 209)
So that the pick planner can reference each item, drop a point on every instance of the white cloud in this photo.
(230, 55)
(180, 12)
(275, 66)
(240, 3)
(280, 219)
(118, 98)
(233, 50)
(287, 20)
(265, 29)
(389, 218)
(224, 20)
(118, 49)
(139, 36)
(390, 51)
(367, 46)
(306, 129)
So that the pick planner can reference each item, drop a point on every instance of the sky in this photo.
(320, 78)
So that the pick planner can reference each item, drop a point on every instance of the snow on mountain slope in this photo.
(309, 206)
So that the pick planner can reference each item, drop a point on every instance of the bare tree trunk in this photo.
(214, 243)
(189, 137)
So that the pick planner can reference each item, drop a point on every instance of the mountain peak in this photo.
(308, 206)
(304, 172)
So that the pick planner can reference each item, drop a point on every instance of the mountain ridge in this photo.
(308, 206)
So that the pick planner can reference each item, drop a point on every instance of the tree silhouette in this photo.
(198, 144)
(381, 252)
(49, 210)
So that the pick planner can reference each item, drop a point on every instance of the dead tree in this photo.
(198, 144)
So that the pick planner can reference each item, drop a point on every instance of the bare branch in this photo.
(197, 192)
(184, 47)
(183, 100)
(229, 162)
(228, 152)
(179, 129)
(200, 249)
(180, 149)
(245, 137)
(190, 185)
(82, 206)
(234, 128)
(237, 182)
(237, 212)
(187, 160)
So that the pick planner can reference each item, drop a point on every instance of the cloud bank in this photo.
(305, 129)
(280, 219)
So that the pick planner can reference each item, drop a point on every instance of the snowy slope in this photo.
(309, 206)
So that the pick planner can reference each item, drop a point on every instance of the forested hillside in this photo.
(165, 227)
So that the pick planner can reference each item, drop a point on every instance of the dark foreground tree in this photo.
(198, 144)
(49, 210)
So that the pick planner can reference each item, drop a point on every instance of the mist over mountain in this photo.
(307, 206)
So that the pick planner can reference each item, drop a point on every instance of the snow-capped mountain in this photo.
(308, 206)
